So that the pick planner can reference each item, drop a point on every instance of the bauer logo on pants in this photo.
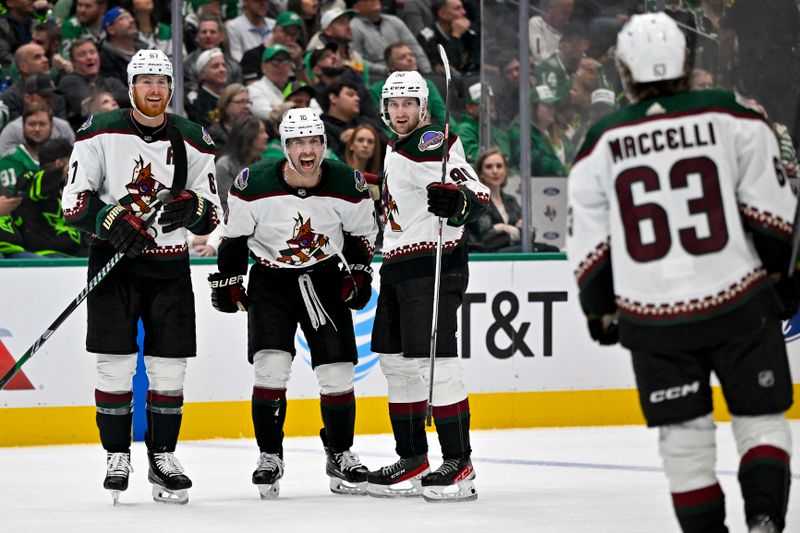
(20, 381)
(363, 329)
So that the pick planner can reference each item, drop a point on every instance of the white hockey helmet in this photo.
(408, 84)
(301, 122)
(150, 62)
(652, 47)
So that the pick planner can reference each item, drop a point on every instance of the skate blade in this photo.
(341, 486)
(464, 491)
(269, 492)
(174, 497)
(115, 496)
(399, 490)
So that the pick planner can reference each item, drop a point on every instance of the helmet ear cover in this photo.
(301, 122)
(408, 84)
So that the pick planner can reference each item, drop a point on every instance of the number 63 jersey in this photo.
(679, 211)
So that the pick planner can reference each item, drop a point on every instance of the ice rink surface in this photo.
(560, 480)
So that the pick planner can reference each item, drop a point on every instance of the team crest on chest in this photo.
(304, 245)
(142, 188)
(430, 140)
(361, 181)
(389, 206)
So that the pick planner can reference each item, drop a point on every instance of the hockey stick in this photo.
(437, 273)
(795, 241)
(164, 196)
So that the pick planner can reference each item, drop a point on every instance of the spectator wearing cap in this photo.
(400, 58)
(453, 30)
(286, 32)
(201, 106)
(373, 31)
(210, 34)
(16, 28)
(544, 31)
(31, 60)
(37, 126)
(599, 103)
(549, 145)
(87, 22)
(468, 128)
(86, 79)
(342, 113)
(335, 28)
(39, 91)
(556, 71)
(250, 29)
(233, 104)
(327, 68)
(266, 93)
(122, 42)
(44, 230)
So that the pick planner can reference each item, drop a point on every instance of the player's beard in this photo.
(148, 109)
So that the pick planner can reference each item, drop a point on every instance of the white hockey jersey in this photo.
(299, 228)
(410, 230)
(113, 164)
(670, 196)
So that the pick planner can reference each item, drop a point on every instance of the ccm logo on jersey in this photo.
(673, 393)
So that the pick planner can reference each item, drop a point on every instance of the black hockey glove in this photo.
(184, 211)
(604, 335)
(357, 286)
(227, 292)
(125, 230)
(788, 290)
(446, 200)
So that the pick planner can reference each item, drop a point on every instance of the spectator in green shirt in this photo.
(549, 145)
(468, 128)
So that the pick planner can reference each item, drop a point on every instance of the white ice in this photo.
(551, 480)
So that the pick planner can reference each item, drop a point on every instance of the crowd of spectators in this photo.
(245, 62)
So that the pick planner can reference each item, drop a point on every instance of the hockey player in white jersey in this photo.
(680, 239)
(401, 333)
(121, 161)
(309, 224)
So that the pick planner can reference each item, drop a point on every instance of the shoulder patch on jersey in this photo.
(87, 124)
(241, 180)
(361, 181)
(430, 140)
(207, 137)
(655, 109)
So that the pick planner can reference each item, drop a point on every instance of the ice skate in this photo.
(170, 484)
(348, 475)
(118, 468)
(762, 524)
(400, 479)
(269, 471)
(450, 482)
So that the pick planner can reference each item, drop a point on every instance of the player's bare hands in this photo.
(459, 27)
(8, 204)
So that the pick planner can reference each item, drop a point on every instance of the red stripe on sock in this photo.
(107, 397)
(268, 394)
(154, 397)
(765, 452)
(694, 498)
(338, 399)
(406, 408)
(452, 410)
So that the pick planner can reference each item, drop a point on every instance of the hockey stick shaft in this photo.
(73, 305)
(795, 241)
(437, 272)
(178, 184)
